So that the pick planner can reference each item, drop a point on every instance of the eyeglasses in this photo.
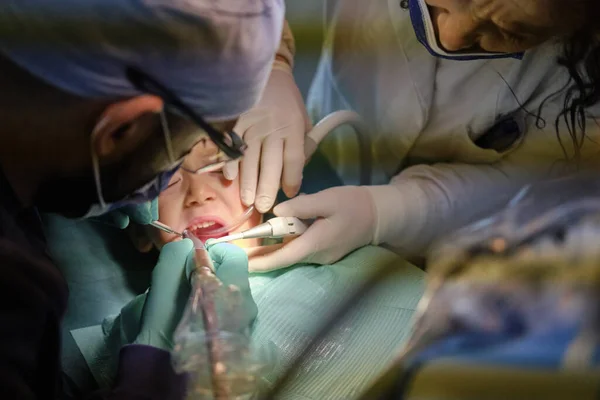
(229, 143)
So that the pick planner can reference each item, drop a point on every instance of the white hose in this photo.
(331, 122)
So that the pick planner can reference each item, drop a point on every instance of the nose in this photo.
(199, 192)
(456, 31)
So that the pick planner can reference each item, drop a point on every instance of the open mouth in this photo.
(207, 228)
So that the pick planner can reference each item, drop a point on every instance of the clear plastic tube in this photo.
(235, 224)
(211, 342)
(237, 371)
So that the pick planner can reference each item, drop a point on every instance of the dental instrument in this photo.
(333, 121)
(277, 227)
(165, 228)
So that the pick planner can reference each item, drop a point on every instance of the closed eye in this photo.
(175, 180)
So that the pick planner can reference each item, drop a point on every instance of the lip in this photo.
(213, 232)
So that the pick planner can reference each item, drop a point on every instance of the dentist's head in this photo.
(507, 26)
(483, 29)
(102, 99)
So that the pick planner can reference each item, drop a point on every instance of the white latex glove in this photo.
(345, 221)
(274, 131)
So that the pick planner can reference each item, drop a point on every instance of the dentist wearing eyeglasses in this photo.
(100, 102)
(467, 100)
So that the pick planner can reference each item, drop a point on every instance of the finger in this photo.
(231, 264)
(306, 207)
(293, 163)
(249, 172)
(132, 314)
(289, 254)
(172, 258)
(143, 213)
(245, 121)
(270, 174)
(169, 280)
(231, 169)
(227, 253)
(116, 219)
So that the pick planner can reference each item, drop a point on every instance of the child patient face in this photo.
(202, 203)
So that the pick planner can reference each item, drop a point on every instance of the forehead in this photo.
(203, 152)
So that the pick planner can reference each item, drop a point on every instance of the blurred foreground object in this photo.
(512, 305)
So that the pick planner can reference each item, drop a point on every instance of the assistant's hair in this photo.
(581, 57)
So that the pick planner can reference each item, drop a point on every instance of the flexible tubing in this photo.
(335, 120)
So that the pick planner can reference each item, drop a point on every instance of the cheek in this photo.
(163, 210)
(230, 193)
(167, 214)
(170, 210)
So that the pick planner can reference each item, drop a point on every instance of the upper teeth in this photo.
(203, 225)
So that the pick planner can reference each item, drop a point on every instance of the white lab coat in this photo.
(426, 113)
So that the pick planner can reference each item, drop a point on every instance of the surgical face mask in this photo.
(147, 192)
(425, 31)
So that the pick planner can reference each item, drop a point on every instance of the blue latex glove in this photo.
(141, 214)
(151, 318)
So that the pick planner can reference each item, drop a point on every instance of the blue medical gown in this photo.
(103, 271)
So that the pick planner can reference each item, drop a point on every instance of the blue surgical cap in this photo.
(215, 55)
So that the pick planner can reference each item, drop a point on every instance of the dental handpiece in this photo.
(277, 227)
(204, 286)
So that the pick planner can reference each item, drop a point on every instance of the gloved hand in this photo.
(345, 221)
(151, 318)
(274, 131)
(141, 214)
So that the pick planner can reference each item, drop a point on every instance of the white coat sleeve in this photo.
(425, 202)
